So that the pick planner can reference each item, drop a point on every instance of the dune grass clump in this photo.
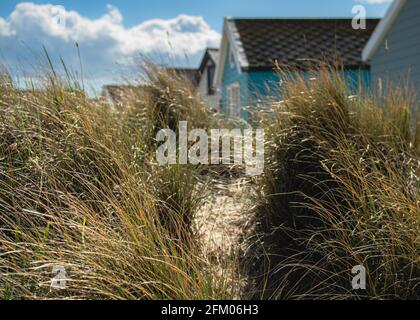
(176, 101)
(341, 189)
(80, 191)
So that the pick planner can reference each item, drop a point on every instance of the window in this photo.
(234, 99)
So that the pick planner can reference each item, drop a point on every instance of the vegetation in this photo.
(80, 189)
(341, 188)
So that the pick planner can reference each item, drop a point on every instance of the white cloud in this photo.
(5, 29)
(374, 1)
(104, 40)
(187, 34)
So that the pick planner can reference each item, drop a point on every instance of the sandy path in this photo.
(224, 219)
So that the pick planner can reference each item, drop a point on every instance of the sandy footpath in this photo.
(225, 216)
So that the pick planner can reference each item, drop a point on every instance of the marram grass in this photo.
(341, 188)
(80, 190)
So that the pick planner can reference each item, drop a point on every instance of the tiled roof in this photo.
(293, 42)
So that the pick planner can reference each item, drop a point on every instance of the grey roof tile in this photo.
(291, 41)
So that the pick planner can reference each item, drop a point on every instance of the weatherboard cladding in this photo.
(292, 42)
(231, 76)
(261, 43)
(398, 57)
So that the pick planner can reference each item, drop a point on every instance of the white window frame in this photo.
(234, 99)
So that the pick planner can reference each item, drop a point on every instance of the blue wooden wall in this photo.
(256, 86)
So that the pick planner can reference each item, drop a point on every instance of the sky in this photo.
(112, 35)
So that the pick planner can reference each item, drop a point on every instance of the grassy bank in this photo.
(341, 188)
(80, 190)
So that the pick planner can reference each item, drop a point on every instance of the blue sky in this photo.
(135, 11)
(114, 33)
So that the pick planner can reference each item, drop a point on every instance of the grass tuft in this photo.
(80, 190)
(341, 188)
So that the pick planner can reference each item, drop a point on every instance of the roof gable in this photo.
(230, 41)
(211, 54)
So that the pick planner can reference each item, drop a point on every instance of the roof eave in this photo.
(230, 36)
(222, 55)
(203, 62)
(236, 42)
(382, 30)
(301, 67)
